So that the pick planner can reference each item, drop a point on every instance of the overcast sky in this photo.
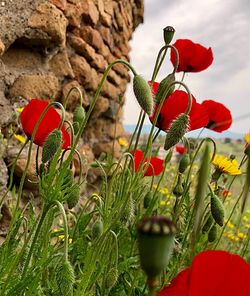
(223, 25)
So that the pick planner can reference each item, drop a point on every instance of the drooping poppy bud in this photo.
(217, 210)
(78, 117)
(184, 163)
(65, 278)
(212, 234)
(168, 34)
(97, 229)
(155, 242)
(74, 196)
(163, 86)
(208, 223)
(51, 145)
(111, 278)
(143, 94)
(177, 130)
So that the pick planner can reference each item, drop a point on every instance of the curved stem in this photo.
(69, 93)
(71, 129)
(66, 230)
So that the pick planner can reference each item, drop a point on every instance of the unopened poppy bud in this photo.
(212, 234)
(51, 145)
(65, 278)
(97, 229)
(217, 210)
(143, 94)
(129, 211)
(69, 178)
(78, 117)
(184, 163)
(155, 242)
(178, 189)
(168, 157)
(147, 199)
(111, 278)
(176, 131)
(163, 86)
(168, 34)
(74, 196)
(208, 223)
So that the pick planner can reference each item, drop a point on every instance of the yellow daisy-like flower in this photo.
(20, 110)
(123, 142)
(247, 138)
(245, 219)
(241, 235)
(226, 165)
(247, 226)
(20, 138)
(164, 203)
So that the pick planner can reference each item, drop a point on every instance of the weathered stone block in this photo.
(60, 65)
(91, 36)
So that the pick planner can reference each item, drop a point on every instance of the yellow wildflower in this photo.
(230, 225)
(20, 110)
(123, 142)
(226, 165)
(20, 138)
(247, 138)
(241, 235)
(247, 226)
(248, 211)
(164, 203)
(245, 219)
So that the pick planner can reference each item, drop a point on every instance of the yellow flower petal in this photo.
(20, 110)
(20, 138)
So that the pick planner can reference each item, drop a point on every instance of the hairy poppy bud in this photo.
(155, 242)
(97, 229)
(165, 84)
(217, 210)
(147, 199)
(178, 189)
(208, 223)
(176, 131)
(168, 34)
(212, 234)
(52, 143)
(73, 196)
(65, 278)
(184, 163)
(69, 178)
(143, 94)
(78, 117)
(111, 278)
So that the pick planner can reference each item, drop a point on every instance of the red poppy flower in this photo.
(193, 57)
(31, 114)
(155, 167)
(216, 273)
(220, 118)
(180, 149)
(176, 104)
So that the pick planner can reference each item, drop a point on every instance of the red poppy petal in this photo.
(178, 286)
(220, 117)
(212, 273)
(155, 168)
(198, 117)
(193, 57)
(138, 155)
(180, 149)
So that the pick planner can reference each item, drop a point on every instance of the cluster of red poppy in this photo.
(216, 273)
(213, 115)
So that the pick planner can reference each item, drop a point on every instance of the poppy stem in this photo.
(70, 92)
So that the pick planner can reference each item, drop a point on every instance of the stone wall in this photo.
(47, 47)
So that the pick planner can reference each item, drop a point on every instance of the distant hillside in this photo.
(193, 134)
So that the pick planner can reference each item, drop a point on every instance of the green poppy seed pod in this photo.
(51, 145)
(178, 189)
(78, 117)
(143, 94)
(212, 234)
(165, 84)
(147, 199)
(184, 163)
(217, 210)
(73, 196)
(176, 131)
(111, 278)
(155, 242)
(168, 34)
(97, 229)
(208, 223)
(65, 278)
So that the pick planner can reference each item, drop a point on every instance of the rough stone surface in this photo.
(60, 65)
(36, 86)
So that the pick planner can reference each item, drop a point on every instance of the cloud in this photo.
(222, 25)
